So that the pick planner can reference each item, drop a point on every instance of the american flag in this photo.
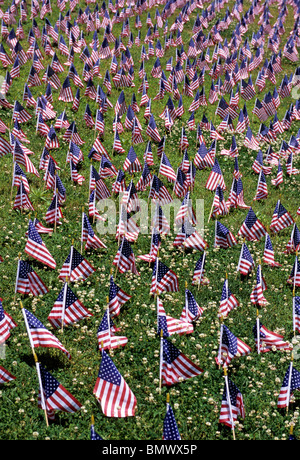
(159, 221)
(6, 324)
(22, 200)
(230, 347)
(232, 405)
(257, 296)
(294, 277)
(252, 229)
(166, 168)
(152, 130)
(228, 301)
(28, 281)
(76, 267)
(132, 164)
(112, 391)
(291, 382)
(117, 298)
(88, 235)
(170, 429)
(67, 309)
(223, 236)
(267, 340)
(5, 376)
(163, 279)
(39, 335)
(246, 262)
(268, 257)
(215, 177)
(169, 325)
(124, 259)
(191, 311)
(296, 313)
(36, 248)
(175, 366)
(154, 247)
(281, 218)
(53, 396)
(198, 275)
(106, 334)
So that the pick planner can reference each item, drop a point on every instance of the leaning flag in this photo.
(124, 259)
(246, 262)
(290, 383)
(169, 325)
(257, 297)
(75, 267)
(281, 218)
(36, 248)
(112, 392)
(6, 324)
(232, 404)
(175, 366)
(67, 309)
(230, 347)
(268, 257)
(53, 396)
(38, 334)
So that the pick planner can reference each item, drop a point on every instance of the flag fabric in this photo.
(232, 405)
(125, 259)
(39, 335)
(88, 235)
(163, 279)
(228, 301)
(176, 366)
(117, 298)
(5, 376)
(246, 262)
(268, 257)
(267, 340)
(223, 236)
(53, 396)
(191, 311)
(36, 248)
(112, 391)
(169, 325)
(281, 218)
(290, 384)
(67, 309)
(106, 334)
(230, 347)
(252, 229)
(76, 267)
(257, 297)
(6, 324)
(170, 429)
(28, 281)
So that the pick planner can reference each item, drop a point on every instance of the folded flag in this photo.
(267, 340)
(170, 429)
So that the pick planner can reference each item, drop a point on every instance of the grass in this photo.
(196, 402)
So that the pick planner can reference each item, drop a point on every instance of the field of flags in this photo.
(189, 330)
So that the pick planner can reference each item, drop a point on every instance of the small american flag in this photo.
(228, 301)
(67, 309)
(6, 324)
(252, 229)
(175, 366)
(115, 396)
(28, 281)
(117, 298)
(5, 376)
(267, 340)
(53, 396)
(246, 262)
(163, 279)
(170, 429)
(76, 266)
(169, 325)
(36, 248)
(230, 347)
(125, 259)
(232, 404)
(291, 382)
(39, 335)
(106, 334)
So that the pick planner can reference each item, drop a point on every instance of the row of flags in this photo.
(209, 56)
